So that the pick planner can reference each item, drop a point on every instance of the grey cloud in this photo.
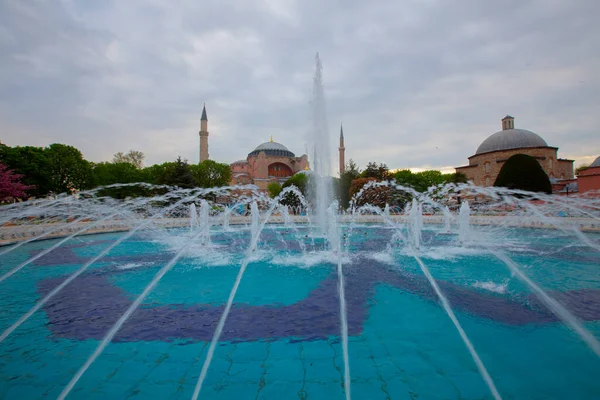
(416, 83)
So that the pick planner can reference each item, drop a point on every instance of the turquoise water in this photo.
(282, 338)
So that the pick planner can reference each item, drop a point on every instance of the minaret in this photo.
(342, 149)
(203, 135)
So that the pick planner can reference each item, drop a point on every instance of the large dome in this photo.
(511, 139)
(596, 162)
(272, 149)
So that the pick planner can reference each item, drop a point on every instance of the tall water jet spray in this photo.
(447, 217)
(193, 217)
(320, 188)
(255, 222)
(464, 223)
(285, 213)
(415, 225)
(204, 223)
(386, 210)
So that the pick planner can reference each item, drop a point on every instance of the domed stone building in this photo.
(269, 161)
(491, 154)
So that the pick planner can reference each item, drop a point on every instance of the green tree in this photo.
(106, 173)
(300, 181)
(274, 189)
(179, 174)
(351, 172)
(210, 173)
(30, 162)
(457, 177)
(67, 169)
(523, 172)
(133, 157)
(380, 172)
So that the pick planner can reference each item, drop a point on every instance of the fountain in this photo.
(147, 297)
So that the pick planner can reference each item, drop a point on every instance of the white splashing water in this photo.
(204, 223)
(193, 217)
(464, 223)
(447, 219)
(320, 187)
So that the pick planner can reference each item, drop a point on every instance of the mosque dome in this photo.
(596, 162)
(272, 149)
(511, 139)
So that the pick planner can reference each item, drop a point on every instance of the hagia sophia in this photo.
(272, 161)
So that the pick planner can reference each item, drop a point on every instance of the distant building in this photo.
(589, 178)
(268, 162)
(493, 152)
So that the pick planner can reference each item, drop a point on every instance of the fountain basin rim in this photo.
(17, 233)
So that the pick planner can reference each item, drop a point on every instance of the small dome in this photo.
(596, 162)
(511, 139)
(272, 149)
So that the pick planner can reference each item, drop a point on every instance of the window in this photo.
(487, 180)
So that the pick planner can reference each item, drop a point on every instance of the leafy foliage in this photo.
(136, 158)
(523, 172)
(210, 173)
(179, 174)
(11, 186)
(380, 172)
(274, 189)
(300, 181)
(351, 172)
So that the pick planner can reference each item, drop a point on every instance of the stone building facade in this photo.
(493, 152)
(589, 178)
(268, 162)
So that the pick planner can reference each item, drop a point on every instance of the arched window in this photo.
(487, 181)
(550, 163)
(486, 167)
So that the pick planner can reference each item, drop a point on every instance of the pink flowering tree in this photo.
(10, 184)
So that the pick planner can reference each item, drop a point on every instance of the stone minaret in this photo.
(203, 135)
(342, 150)
(508, 122)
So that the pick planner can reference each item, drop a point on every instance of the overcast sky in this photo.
(416, 83)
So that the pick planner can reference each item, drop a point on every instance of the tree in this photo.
(210, 173)
(67, 171)
(30, 162)
(380, 172)
(523, 172)
(106, 173)
(11, 186)
(133, 157)
(274, 189)
(351, 172)
(376, 195)
(299, 180)
(179, 174)
(457, 177)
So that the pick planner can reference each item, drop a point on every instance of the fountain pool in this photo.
(282, 336)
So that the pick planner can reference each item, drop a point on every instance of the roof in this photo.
(508, 117)
(341, 132)
(204, 117)
(511, 139)
(596, 162)
(272, 149)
